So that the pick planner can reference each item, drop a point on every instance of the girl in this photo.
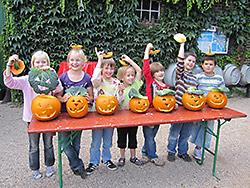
(40, 59)
(75, 77)
(130, 76)
(103, 83)
(154, 75)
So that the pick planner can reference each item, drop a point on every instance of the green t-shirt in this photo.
(136, 85)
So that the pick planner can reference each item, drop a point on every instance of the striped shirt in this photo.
(206, 82)
(184, 80)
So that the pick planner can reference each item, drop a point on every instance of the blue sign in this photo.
(214, 40)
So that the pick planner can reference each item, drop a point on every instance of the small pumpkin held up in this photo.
(17, 67)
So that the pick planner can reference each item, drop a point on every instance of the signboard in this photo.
(214, 40)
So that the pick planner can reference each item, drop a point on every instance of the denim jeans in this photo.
(197, 133)
(72, 149)
(179, 134)
(149, 147)
(99, 135)
(34, 160)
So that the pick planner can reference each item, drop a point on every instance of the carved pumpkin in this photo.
(18, 67)
(193, 100)
(77, 105)
(137, 103)
(45, 107)
(217, 98)
(106, 105)
(164, 101)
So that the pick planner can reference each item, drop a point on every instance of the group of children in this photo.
(103, 81)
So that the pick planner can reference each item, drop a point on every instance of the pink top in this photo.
(22, 83)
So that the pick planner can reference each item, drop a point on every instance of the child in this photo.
(207, 79)
(103, 83)
(40, 59)
(75, 77)
(180, 132)
(154, 75)
(130, 76)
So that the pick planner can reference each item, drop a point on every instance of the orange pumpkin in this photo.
(216, 99)
(193, 102)
(45, 107)
(139, 105)
(77, 106)
(106, 105)
(164, 103)
(18, 67)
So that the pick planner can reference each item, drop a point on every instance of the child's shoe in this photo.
(136, 161)
(121, 162)
(171, 157)
(157, 162)
(81, 172)
(36, 174)
(50, 171)
(197, 153)
(91, 168)
(110, 165)
(185, 157)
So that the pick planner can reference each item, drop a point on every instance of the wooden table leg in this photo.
(60, 161)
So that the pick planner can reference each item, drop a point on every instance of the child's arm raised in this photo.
(146, 67)
(180, 62)
(134, 65)
(96, 77)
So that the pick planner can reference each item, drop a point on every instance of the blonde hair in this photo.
(39, 53)
(122, 71)
(109, 61)
(155, 67)
(78, 51)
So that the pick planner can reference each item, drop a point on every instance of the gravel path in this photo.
(232, 167)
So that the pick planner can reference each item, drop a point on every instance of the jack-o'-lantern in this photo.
(77, 105)
(193, 99)
(45, 107)
(164, 101)
(137, 102)
(106, 105)
(17, 67)
(216, 98)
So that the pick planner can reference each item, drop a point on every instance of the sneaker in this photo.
(136, 161)
(50, 171)
(171, 157)
(197, 154)
(36, 174)
(157, 162)
(121, 162)
(81, 172)
(185, 157)
(110, 165)
(91, 168)
(145, 159)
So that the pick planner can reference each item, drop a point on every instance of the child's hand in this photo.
(99, 53)
(65, 97)
(121, 88)
(149, 47)
(12, 60)
(124, 57)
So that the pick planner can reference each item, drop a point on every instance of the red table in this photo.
(126, 118)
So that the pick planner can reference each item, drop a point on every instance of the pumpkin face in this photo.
(138, 105)
(164, 103)
(106, 105)
(77, 106)
(18, 67)
(193, 102)
(216, 99)
(45, 107)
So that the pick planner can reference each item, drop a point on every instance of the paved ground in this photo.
(233, 166)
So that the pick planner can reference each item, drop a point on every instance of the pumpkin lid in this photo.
(193, 90)
(76, 91)
(165, 92)
(76, 46)
(179, 37)
(133, 93)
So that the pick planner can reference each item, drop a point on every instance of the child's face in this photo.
(189, 63)
(107, 71)
(40, 61)
(159, 75)
(208, 67)
(75, 61)
(129, 76)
